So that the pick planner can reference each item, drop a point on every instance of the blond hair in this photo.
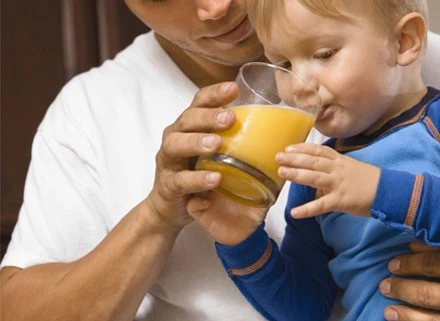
(386, 12)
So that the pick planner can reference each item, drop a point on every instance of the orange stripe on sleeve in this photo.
(254, 267)
(432, 128)
(415, 200)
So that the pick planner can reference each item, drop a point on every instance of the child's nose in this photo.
(303, 84)
(305, 92)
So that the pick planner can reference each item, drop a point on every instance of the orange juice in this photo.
(246, 159)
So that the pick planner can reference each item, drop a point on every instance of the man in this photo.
(101, 226)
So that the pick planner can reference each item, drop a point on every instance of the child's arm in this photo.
(292, 284)
(400, 199)
(409, 202)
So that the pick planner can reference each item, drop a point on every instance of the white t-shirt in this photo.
(93, 161)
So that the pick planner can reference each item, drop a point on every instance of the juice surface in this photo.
(260, 132)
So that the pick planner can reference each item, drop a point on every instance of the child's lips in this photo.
(323, 112)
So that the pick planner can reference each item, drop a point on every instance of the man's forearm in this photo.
(106, 284)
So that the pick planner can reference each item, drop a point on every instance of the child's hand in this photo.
(227, 222)
(342, 183)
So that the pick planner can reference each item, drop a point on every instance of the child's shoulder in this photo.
(331, 142)
(432, 116)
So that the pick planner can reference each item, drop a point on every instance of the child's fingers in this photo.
(316, 179)
(196, 207)
(314, 150)
(305, 161)
(317, 207)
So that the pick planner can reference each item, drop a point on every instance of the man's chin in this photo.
(236, 54)
(241, 58)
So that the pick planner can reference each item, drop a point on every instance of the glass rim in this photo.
(272, 66)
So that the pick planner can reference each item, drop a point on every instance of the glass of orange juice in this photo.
(274, 109)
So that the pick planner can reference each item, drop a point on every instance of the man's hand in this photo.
(423, 297)
(188, 137)
(338, 179)
(229, 223)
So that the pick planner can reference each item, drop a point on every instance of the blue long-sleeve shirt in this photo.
(317, 255)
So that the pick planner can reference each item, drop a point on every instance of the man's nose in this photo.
(212, 9)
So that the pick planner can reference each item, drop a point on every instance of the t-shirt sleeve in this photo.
(61, 218)
(292, 284)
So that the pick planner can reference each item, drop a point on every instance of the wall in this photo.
(434, 15)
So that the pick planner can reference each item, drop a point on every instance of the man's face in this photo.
(218, 30)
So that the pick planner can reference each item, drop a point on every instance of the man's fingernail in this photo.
(222, 116)
(212, 177)
(391, 315)
(225, 87)
(394, 265)
(290, 148)
(385, 287)
(208, 141)
(280, 157)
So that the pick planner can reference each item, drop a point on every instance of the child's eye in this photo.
(325, 54)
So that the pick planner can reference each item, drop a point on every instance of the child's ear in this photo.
(410, 38)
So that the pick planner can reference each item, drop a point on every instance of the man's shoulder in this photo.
(102, 92)
(143, 68)
(132, 72)
(124, 89)
(136, 60)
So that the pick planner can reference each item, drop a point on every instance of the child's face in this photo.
(350, 62)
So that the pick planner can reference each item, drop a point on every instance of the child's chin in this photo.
(328, 130)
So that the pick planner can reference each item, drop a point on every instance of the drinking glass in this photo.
(274, 109)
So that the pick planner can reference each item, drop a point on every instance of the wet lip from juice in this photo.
(323, 112)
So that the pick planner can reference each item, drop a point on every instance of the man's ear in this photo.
(410, 34)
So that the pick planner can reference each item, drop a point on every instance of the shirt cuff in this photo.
(245, 257)
(394, 197)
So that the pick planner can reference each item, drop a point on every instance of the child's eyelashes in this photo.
(325, 54)
(322, 54)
